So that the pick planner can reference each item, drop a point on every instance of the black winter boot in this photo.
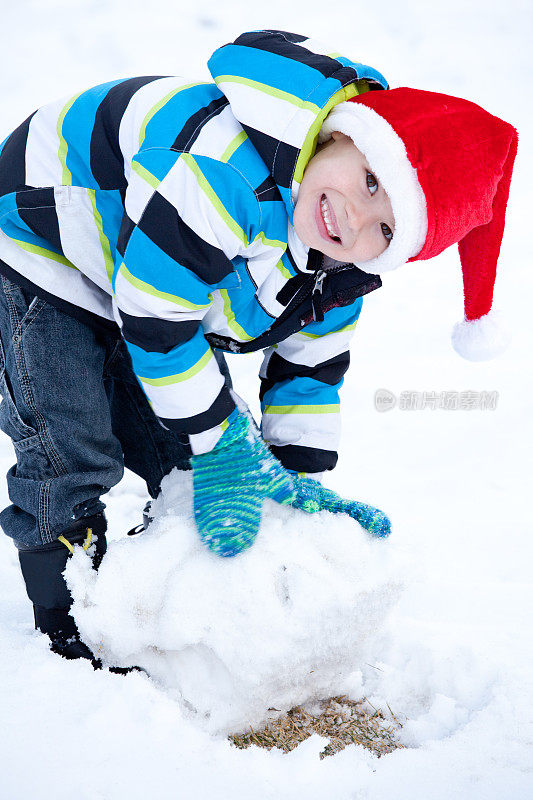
(42, 569)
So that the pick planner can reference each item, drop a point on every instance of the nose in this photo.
(360, 215)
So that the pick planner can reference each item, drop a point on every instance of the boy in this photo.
(146, 225)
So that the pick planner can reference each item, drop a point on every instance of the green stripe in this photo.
(270, 242)
(142, 286)
(143, 173)
(104, 241)
(66, 178)
(329, 333)
(283, 269)
(182, 376)
(270, 90)
(309, 146)
(332, 408)
(275, 243)
(233, 145)
(230, 318)
(41, 251)
(159, 105)
(213, 198)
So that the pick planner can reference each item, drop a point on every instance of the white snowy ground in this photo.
(454, 656)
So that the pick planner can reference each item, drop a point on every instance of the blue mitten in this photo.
(230, 484)
(311, 496)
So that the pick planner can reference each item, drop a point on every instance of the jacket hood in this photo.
(281, 87)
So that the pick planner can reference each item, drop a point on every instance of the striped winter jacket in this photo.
(165, 207)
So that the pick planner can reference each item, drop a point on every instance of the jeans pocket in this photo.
(10, 420)
(24, 306)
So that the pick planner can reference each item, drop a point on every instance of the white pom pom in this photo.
(480, 339)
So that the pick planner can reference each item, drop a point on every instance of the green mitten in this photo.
(311, 497)
(230, 484)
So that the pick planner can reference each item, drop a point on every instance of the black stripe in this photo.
(107, 162)
(268, 192)
(287, 45)
(289, 289)
(279, 157)
(36, 208)
(291, 37)
(164, 226)
(305, 459)
(330, 371)
(217, 413)
(191, 130)
(155, 335)
(13, 159)
(127, 226)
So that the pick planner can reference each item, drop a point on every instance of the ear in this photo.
(337, 135)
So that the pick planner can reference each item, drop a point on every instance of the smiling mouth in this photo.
(329, 219)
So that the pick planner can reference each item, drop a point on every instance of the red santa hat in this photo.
(446, 166)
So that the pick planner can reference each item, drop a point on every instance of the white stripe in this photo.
(138, 195)
(301, 349)
(271, 115)
(305, 430)
(57, 279)
(217, 134)
(43, 167)
(140, 104)
(205, 441)
(188, 398)
(298, 250)
(139, 303)
(79, 234)
(180, 187)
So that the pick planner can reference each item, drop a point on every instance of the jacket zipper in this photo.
(316, 296)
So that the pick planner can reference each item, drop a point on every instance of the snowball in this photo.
(281, 624)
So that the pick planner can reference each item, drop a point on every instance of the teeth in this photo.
(324, 207)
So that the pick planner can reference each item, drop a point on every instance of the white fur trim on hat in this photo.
(480, 339)
(386, 154)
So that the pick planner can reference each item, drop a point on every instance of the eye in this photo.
(387, 233)
(371, 182)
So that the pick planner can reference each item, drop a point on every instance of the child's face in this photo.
(342, 210)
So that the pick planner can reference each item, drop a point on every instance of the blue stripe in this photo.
(150, 264)
(335, 319)
(158, 162)
(109, 204)
(269, 68)
(248, 313)
(231, 190)
(166, 123)
(247, 161)
(14, 226)
(364, 71)
(77, 131)
(302, 392)
(274, 224)
(161, 365)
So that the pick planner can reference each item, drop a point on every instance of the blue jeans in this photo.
(76, 415)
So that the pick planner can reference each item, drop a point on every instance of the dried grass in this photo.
(341, 720)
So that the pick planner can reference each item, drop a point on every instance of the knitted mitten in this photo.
(230, 484)
(311, 496)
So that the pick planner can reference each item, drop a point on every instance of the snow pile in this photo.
(284, 622)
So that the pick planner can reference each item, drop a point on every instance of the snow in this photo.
(453, 657)
(283, 623)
